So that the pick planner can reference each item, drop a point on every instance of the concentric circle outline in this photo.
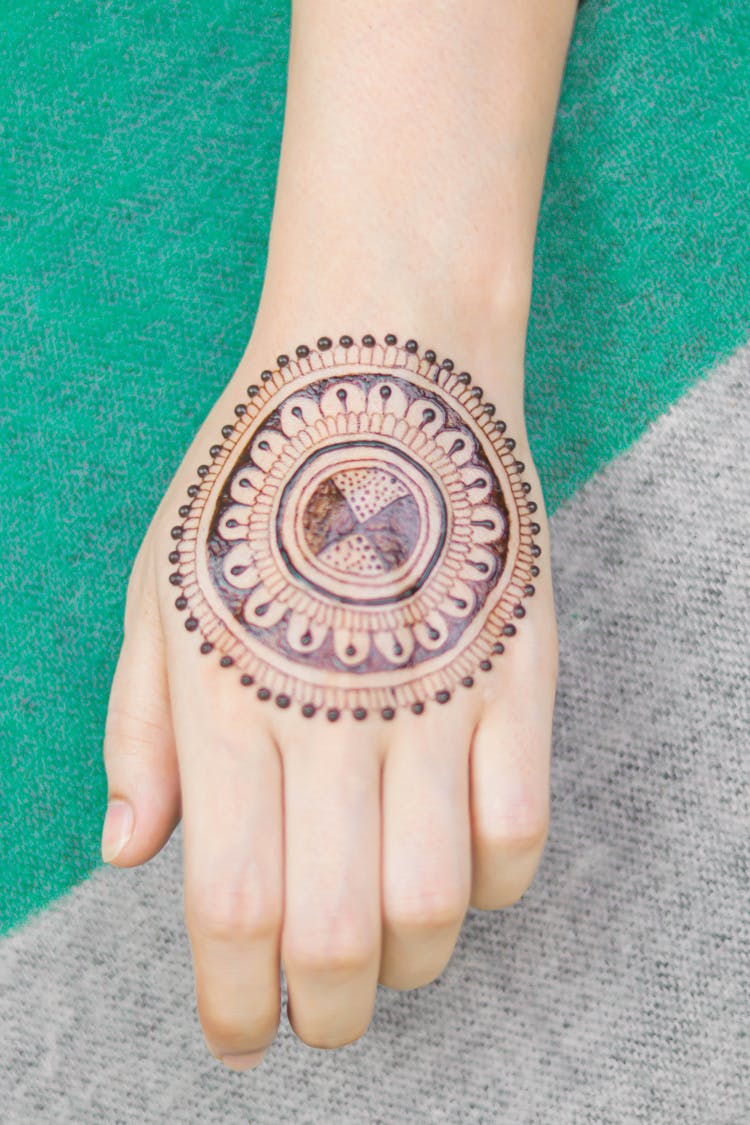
(476, 640)
(391, 578)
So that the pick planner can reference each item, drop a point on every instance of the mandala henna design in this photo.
(361, 538)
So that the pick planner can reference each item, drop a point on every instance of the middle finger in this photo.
(332, 925)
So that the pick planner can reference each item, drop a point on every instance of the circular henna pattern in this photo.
(360, 538)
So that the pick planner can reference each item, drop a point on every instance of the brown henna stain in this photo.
(368, 525)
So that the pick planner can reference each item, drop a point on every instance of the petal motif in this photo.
(298, 413)
(342, 398)
(239, 567)
(260, 609)
(433, 632)
(266, 448)
(386, 398)
(479, 565)
(396, 645)
(487, 524)
(477, 483)
(246, 484)
(233, 524)
(458, 444)
(426, 416)
(351, 647)
(303, 634)
(460, 600)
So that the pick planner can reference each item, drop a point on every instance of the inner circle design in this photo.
(361, 523)
(360, 536)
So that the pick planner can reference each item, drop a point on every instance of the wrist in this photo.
(457, 310)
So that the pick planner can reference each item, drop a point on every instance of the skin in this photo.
(414, 149)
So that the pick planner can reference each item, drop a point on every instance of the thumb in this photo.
(139, 751)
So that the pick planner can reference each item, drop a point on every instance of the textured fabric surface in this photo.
(613, 993)
(138, 147)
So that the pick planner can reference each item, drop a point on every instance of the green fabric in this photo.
(138, 148)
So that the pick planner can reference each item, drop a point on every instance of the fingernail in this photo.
(243, 1062)
(118, 828)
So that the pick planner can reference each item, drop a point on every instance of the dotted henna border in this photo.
(462, 389)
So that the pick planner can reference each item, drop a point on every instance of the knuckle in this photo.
(131, 735)
(234, 1036)
(430, 906)
(341, 946)
(222, 911)
(517, 825)
(516, 834)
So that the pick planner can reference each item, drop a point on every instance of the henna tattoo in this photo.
(361, 538)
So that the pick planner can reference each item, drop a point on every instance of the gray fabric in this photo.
(615, 991)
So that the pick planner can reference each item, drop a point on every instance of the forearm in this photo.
(415, 142)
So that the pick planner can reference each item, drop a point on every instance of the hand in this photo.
(339, 666)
